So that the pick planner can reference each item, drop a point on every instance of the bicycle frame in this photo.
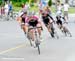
(37, 39)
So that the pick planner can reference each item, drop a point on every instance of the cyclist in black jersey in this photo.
(48, 23)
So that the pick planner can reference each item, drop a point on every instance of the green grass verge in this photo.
(34, 8)
(71, 10)
(17, 9)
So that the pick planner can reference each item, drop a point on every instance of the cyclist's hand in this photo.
(41, 28)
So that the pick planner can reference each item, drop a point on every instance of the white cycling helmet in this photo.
(58, 13)
(20, 13)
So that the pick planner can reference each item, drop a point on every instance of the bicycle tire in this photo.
(30, 42)
(37, 43)
(38, 49)
(29, 39)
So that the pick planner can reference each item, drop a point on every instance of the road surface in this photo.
(14, 46)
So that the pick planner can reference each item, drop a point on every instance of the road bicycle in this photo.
(36, 38)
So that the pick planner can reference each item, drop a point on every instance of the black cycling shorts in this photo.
(59, 22)
(33, 23)
(46, 20)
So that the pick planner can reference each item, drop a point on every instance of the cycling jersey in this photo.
(32, 22)
(59, 22)
(45, 19)
(34, 17)
(23, 16)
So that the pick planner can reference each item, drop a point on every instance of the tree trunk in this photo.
(66, 1)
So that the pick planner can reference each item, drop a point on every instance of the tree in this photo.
(50, 2)
(66, 1)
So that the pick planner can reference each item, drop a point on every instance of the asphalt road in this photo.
(14, 46)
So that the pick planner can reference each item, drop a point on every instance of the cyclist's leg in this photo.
(23, 26)
(39, 29)
(49, 29)
(31, 32)
(31, 35)
(52, 30)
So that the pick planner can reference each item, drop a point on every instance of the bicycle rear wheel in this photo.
(37, 42)
(38, 49)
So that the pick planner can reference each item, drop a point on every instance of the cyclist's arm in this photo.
(51, 18)
(19, 19)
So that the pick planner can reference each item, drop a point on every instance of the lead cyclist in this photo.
(33, 21)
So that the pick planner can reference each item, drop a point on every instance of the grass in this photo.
(34, 8)
(17, 9)
(71, 10)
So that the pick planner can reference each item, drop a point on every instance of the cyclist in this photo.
(2, 12)
(22, 21)
(33, 21)
(48, 10)
(59, 21)
(48, 23)
(62, 25)
(66, 9)
(6, 7)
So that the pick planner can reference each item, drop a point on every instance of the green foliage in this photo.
(24, 1)
(50, 2)
(0, 2)
(32, 1)
(17, 4)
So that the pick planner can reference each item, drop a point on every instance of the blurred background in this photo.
(34, 3)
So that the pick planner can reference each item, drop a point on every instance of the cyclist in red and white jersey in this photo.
(33, 21)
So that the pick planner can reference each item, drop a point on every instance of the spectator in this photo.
(10, 9)
(66, 9)
(6, 7)
(59, 8)
(2, 10)
(25, 7)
